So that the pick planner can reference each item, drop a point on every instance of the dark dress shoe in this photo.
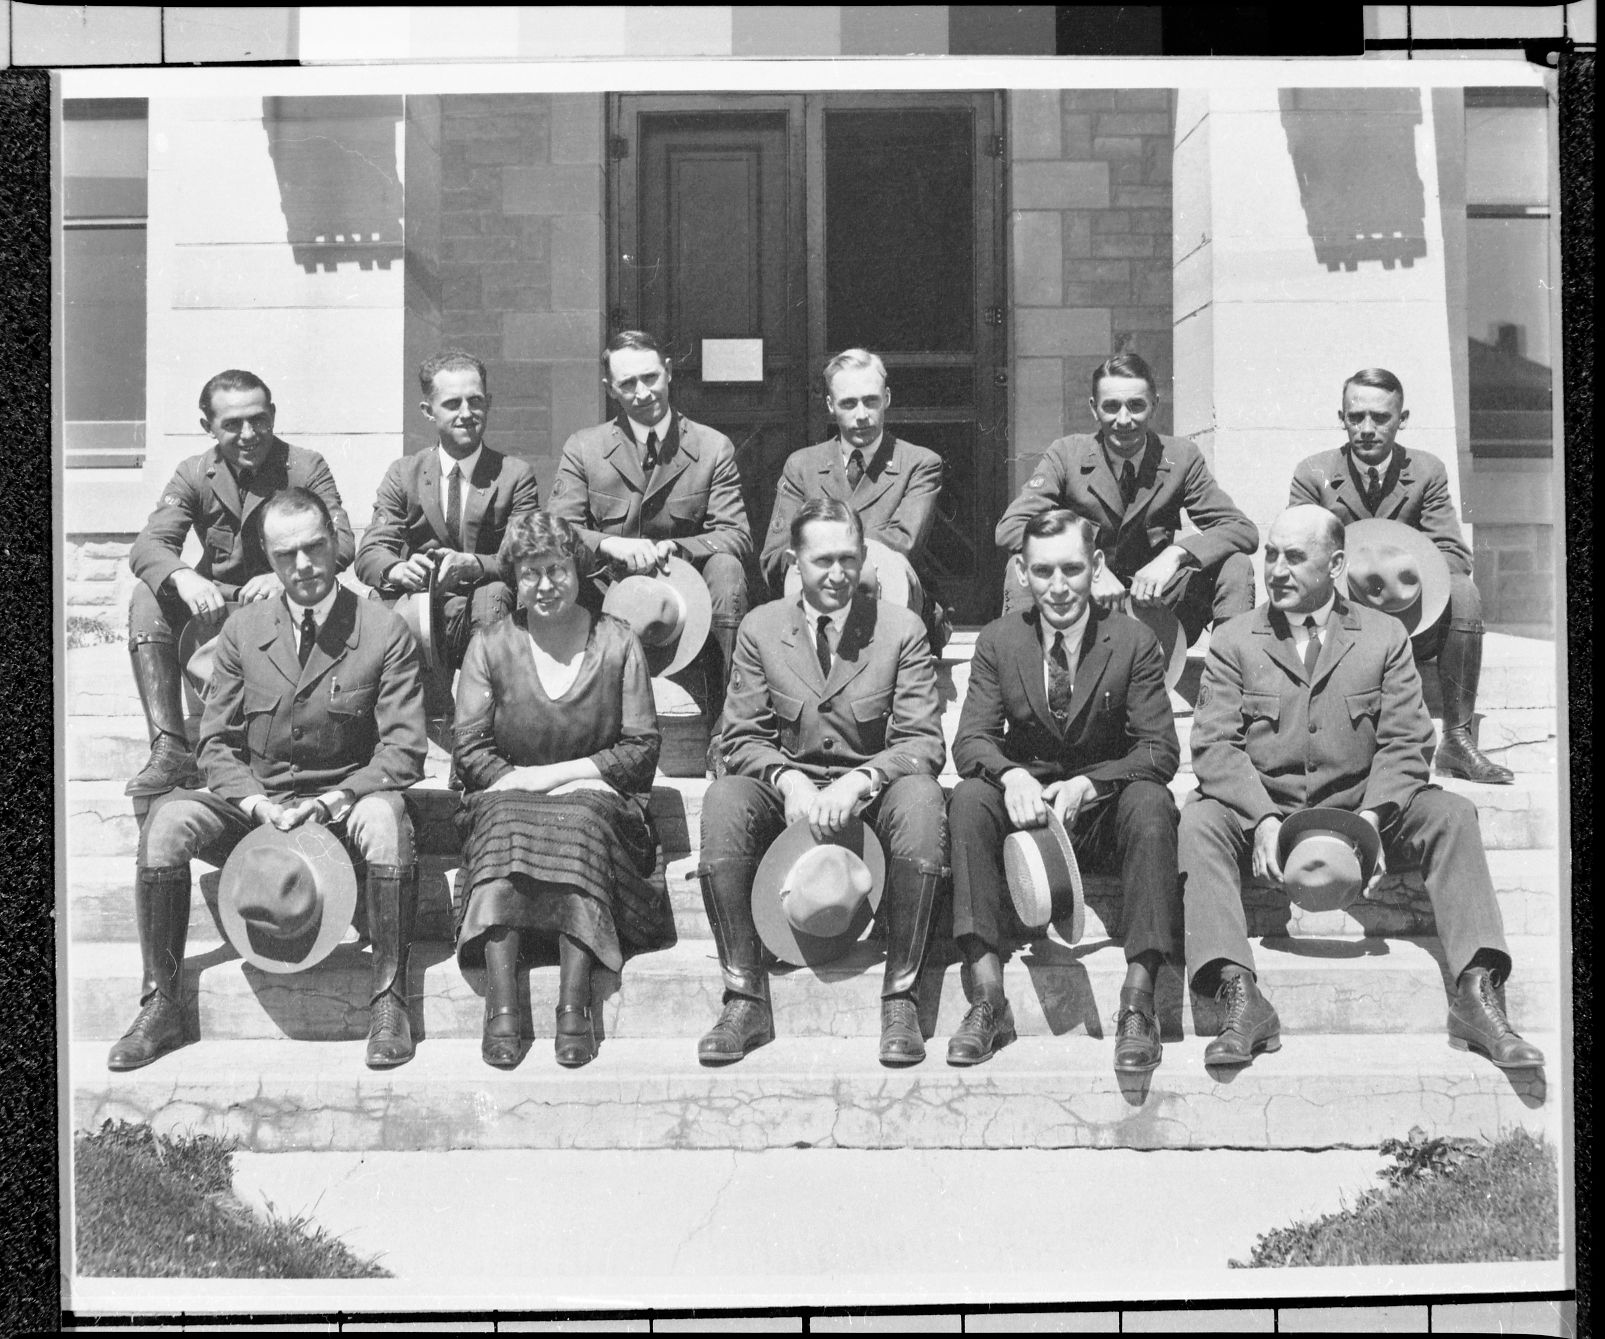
(575, 1047)
(986, 1029)
(1137, 1048)
(901, 1042)
(499, 1047)
(389, 1033)
(157, 1029)
(171, 767)
(1458, 756)
(1251, 1024)
(744, 1025)
(1477, 1023)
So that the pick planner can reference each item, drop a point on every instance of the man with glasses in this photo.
(1133, 485)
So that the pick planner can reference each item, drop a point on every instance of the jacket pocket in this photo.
(259, 707)
(606, 509)
(788, 716)
(875, 707)
(220, 542)
(1262, 707)
(352, 699)
(687, 510)
(1363, 705)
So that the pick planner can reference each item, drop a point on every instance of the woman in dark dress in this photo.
(556, 745)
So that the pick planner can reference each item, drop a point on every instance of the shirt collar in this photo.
(813, 615)
(1072, 635)
(320, 610)
(641, 432)
(467, 464)
(1381, 467)
(1319, 615)
(870, 451)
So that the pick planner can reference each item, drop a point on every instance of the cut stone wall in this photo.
(1090, 225)
(97, 582)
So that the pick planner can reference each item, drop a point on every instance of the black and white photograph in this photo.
(741, 684)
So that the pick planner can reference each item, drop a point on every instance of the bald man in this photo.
(1313, 700)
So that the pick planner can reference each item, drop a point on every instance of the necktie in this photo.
(1060, 681)
(855, 468)
(649, 454)
(1128, 483)
(454, 508)
(1312, 648)
(309, 636)
(1373, 488)
(822, 644)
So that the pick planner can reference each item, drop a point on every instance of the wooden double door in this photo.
(810, 223)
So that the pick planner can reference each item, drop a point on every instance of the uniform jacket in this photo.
(879, 708)
(896, 501)
(408, 517)
(1417, 493)
(1267, 739)
(693, 498)
(1074, 472)
(352, 718)
(203, 496)
(1119, 728)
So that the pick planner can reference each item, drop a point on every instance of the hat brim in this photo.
(1033, 860)
(1161, 620)
(1423, 615)
(330, 865)
(692, 591)
(779, 935)
(881, 563)
(420, 611)
(197, 644)
(1345, 824)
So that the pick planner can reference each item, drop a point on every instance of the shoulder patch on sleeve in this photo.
(172, 500)
(1036, 481)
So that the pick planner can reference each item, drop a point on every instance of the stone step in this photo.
(100, 819)
(1042, 1092)
(1373, 985)
(101, 902)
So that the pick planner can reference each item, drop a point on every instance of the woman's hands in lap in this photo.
(547, 780)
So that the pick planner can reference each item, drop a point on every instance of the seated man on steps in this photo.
(449, 508)
(1374, 476)
(892, 484)
(217, 494)
(832, 706)
(316, 711)
(1314, 700)
(1066, 707)
(1134, 485)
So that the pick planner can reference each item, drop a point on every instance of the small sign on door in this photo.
(732, 360)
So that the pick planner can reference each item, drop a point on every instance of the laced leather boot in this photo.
(987, 1028)
(747, 1020)
(391, 895)
(1137, 1048)
(907, 908)
(1250, 1026)
(161, 912)
(1477, 1023)
(1459, 671)
(171, 764)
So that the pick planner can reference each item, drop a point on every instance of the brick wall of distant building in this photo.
(1090, 223)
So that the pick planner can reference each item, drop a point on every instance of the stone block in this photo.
(1098, 271)
(1048, 332)
(1038, 260)
(1142, 197)
(558, 189)
(1107, 221)
(577, 399)
(1076, 135)
(576, 263)
(1159, 160)
(1143, 318)
(1113, 147)
(547, 336)
(1126, 123)
(504, 151)
(1200, 1320)
(1129, 246)
(1077, 234)
(1035, 124)
(1378, 1319)
(1153, 284)
(1127, 171)
(576, 127)
(1156, 222)
(1038, 415)
(1060, 186)
(1089, 99)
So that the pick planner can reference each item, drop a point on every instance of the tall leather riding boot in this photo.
(391, 894)
(161, 912)
(907, 907)
(171, 764)
(747, 1019)
(1459, 669)
(718, 681)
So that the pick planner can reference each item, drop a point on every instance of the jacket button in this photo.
(827, 705)
(829, 744)
(1312, 727)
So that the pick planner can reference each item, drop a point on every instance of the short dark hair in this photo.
(534, 533)
(1124, 365)
(1378, 378)
(629, 339)
(294, 502)
(1056, 522)
(825, 509)
(453, 360)
(234, 379)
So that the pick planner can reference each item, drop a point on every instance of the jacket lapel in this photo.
(1398, 494)
(225, 488)
(480, 487)
(798, 639)
(429, 493)
(1278, 637)
(624, 456)
(335, 637)
(1094, 661)
(278, 645)
(1152, 471)
(1100, 481)
(833, 474)
(273, 477)
(1028, 660)
(681, 454)
(1341, 628)
(858, 629)
(871, 486)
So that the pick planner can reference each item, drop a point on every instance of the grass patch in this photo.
(1447, 1201)
(158, 1207)
(85, 631)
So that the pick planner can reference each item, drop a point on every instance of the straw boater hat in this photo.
(1398, 570)
(882, 576)
(669, 610)
(1044, 880)
(421, 611)
(812, 900)
(285, 898)
(1327, 857)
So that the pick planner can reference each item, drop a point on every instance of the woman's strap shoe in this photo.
(575, 1047)
(499, 1046)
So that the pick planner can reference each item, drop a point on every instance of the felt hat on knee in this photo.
(670, 610)
(1044, 880)
(884, 575)
(1327, 856)
(197, 645)
(1164, 624)
(284, 899)
(1397, 569)
(811, 901)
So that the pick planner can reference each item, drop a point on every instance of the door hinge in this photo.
(994, 315)
(994, 146)
(1000, 378)
(617, 147)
